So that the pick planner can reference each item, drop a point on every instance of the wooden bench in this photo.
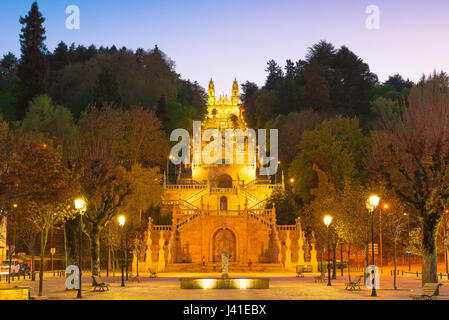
(301, 269)
(133, 277)
(429, 292)
(98, 284)
(320, 278)
(353, 285)
(152, 274)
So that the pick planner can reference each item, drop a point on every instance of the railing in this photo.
(180, 202)
(249, 195)
(161, 227)
(262, 212)
(261, 220)
(196, 196)
(185, 187)
(223, 190)
(263, 187)
(185, 221)
(259, 205)
(228, 213)
(189, 212)
(286, 227)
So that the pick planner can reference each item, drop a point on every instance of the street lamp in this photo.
(373, 202)
(121, 222)
(327, 222)
(80, 205)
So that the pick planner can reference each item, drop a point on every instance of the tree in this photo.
(335, 146)
(146, 187)
(317, 89)
(412, 155)
(351, 221)
(60, 57)
(105, 187)
(8, 66)
(396, 225)
(275, 75)
(32, 70)
(287, 209)
(248, 97)
(44, 183)
(161, 111)
(107, 89)
(145, 140)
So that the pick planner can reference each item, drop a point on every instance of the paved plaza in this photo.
(283, 286)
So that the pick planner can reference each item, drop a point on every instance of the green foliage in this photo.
(32, 70)
(335, 146)
(44, 121)
(287, 209)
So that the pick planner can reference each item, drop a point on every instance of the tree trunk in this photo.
(429, 253)
(334, 262)
(394, 255)
(95, 250)
(322, 253)
(69, 242)
(33, 276)
(41, 272)
(341, 258)
(349, 259)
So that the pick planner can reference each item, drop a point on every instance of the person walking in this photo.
(250, 265)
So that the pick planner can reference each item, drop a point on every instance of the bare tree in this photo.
(412, 154)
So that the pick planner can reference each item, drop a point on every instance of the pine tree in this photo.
(317, 88)
(161, 111)
(60, 57)
(32, 71)
(107, 88)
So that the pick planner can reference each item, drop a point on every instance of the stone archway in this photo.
(224, 239)
(223, 181)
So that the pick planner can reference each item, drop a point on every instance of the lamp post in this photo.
(80, 205)
(327, 222)
(121, 221)
(372, 203)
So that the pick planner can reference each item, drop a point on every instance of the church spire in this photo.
(235, 92)
(211, 92)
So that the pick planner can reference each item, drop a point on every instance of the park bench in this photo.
(321, 277)
(353, 285)
(133, 277)
(429, 292)
(301, 269)
(152, 274)
(98, 284)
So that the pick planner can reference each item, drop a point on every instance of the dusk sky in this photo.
(227, 39)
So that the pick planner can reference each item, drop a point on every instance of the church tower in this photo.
(235, 93)
(211, 93)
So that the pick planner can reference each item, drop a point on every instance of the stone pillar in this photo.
(313, 259)
(288, 253)
(161, 259)
(301, 249)
(169, 248)
(149, 252)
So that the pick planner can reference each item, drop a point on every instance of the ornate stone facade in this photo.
(222, 207)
